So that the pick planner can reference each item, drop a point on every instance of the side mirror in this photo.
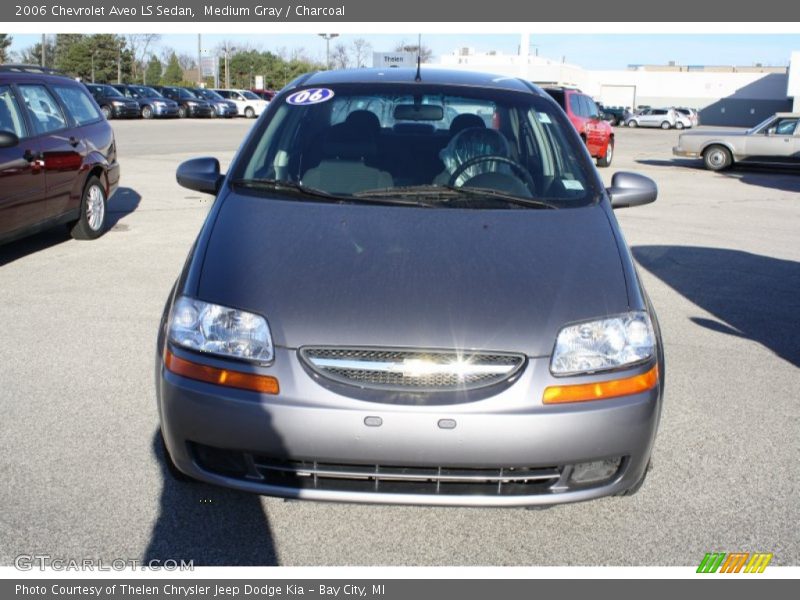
(200, 175)
(631, 189)
(8, 139)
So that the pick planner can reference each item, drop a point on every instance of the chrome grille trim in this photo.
(420, 370)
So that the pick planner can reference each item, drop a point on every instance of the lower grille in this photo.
(412, 370)
(379, 479)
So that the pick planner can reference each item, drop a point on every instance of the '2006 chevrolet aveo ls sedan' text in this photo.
(411, 288)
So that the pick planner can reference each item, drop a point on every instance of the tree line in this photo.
(137, 58)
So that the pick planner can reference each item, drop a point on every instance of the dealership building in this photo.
(725, 95)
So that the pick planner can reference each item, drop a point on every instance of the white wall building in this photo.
(724, 97)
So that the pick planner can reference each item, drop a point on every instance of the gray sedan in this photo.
(774, 141)
(394, 301)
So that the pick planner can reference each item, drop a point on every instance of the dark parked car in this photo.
(58, 158)
(189, 105)
(112, 103)
(222, 108)
(151, 103)
(388, 305)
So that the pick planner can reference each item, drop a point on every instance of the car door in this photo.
(62, 150)
(775, 142)
(594, 133)
(22, 184)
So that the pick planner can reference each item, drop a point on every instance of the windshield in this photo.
(142, 91)
(106, 90)
(421, 142)
(208, 94)
(184, 93)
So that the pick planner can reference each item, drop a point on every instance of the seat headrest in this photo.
(465, 121)
(355, 138)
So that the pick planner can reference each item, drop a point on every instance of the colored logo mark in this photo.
(734, 562)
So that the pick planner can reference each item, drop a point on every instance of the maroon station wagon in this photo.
(58, 156)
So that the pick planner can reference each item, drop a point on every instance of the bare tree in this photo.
(340, 57)
(361, 51)
(187, 61)
(140, 46)
(425, 53)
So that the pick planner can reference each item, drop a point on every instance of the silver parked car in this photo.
(774, 141)
(665, 118)
(394, 301)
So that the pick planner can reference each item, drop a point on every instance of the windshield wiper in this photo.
(444, 193)
(294, 186)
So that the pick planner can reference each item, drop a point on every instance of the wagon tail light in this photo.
(224, 377)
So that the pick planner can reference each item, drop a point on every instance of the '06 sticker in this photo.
(310, 96)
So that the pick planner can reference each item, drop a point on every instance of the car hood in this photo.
(359, 275)
(716, 133)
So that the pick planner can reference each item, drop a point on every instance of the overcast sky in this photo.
(589, 51)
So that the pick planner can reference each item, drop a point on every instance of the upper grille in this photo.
(420, 370)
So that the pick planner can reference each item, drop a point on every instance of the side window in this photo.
(45, 112)
(575, 105)
(10, 115)
(78, 104)
(591, 107)
(786, 126)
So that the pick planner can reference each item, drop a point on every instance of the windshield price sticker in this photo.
(310, 96)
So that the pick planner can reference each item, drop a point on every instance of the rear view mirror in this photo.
(631, 189)
(8, 139)
(200, 175)
(418, 112)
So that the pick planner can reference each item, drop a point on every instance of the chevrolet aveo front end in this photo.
(411, 288)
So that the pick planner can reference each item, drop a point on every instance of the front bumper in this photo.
(170, 110)
(315, 423)
(199, 111)
(225, 111)
(124, 112)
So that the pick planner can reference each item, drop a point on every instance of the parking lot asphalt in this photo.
(83, 476)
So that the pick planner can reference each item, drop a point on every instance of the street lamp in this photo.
(228, 50)
(328, 37)
(93, 53)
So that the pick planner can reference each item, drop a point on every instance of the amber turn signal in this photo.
(225, 377)
(602, 390)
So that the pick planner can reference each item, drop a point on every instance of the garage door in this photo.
(618, 95)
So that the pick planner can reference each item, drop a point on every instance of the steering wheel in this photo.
(521, 170)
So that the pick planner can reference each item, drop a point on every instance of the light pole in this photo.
(228, 50)
(328, 37)
(93, 53)
(119, 62)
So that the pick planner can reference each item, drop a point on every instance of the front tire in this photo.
(605, 161)
(679, 125)
(633, 124)
(147, 112)
(182, 112)
(106, 110)
(665, 125)
(717, 158)
(94, 206)
(249, 112)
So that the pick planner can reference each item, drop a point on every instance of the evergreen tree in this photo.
(152, 75)
(5, 42)
(173, 74)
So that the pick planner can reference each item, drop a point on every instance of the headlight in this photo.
(159, 103)
(604, 344)
(191, 103)
(118, 102)
(220, 330)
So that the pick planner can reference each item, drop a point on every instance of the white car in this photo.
(665, 118)
(247, 103)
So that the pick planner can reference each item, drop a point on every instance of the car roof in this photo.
(788, 114)
(26, 72)
(428, 75)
